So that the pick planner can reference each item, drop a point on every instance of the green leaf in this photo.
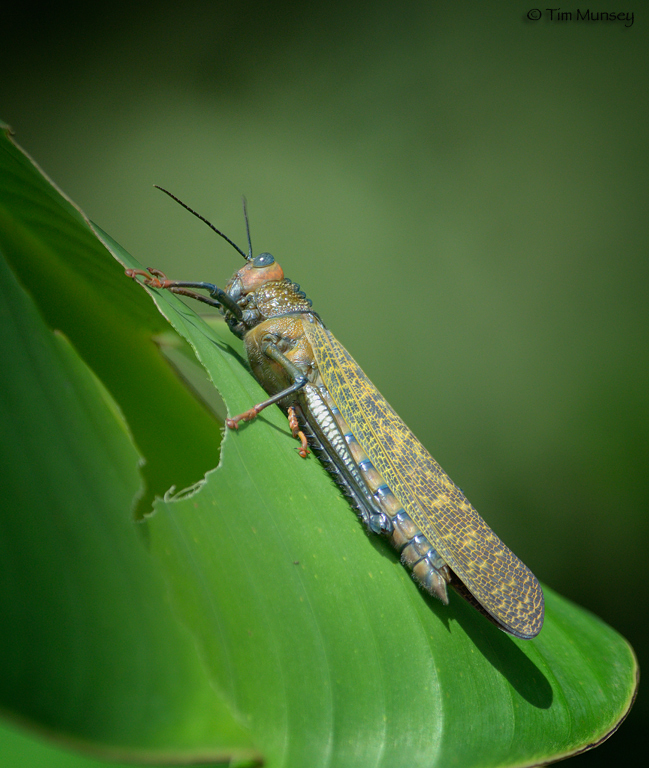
(81, 291)
(313, 634)
(90, 651)
(320, 636)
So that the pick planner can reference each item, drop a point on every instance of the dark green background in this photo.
(462, 193)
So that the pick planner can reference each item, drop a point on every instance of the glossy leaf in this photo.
(90, 651)
(313, 634)
(320, 636)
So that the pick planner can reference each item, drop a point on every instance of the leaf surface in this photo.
(289, 628)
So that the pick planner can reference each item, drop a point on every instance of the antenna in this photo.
(245, 216)
(211, 226)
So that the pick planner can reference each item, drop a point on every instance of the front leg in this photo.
(271, 350)
(218, 298)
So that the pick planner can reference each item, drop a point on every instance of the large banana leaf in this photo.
(249, 615)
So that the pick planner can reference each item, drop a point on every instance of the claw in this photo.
(246, 416)
(303, 450)
(154, 278)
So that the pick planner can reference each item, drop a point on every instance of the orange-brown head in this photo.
(258, 271)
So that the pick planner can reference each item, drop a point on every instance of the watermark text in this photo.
(558, 14)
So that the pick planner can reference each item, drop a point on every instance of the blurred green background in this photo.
(461, 191)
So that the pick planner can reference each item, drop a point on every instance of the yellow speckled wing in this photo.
(499, 581)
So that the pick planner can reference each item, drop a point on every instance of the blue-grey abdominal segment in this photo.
(383, 512)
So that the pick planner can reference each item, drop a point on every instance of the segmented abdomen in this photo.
(488, 571)
(370, 493)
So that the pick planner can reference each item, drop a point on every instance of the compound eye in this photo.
(263, 260)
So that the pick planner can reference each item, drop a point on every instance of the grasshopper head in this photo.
(257, 272)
